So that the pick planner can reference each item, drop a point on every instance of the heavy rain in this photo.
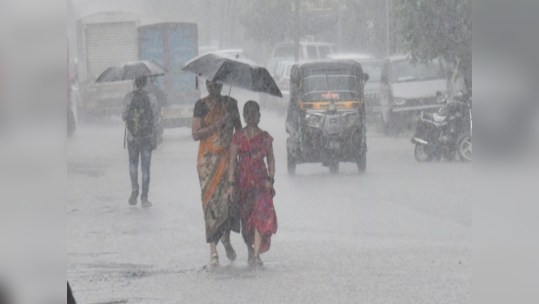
(255, 151)
(371, 152)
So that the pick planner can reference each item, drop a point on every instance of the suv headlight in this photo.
(399, 101)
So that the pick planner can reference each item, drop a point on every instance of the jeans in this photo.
(140, 149)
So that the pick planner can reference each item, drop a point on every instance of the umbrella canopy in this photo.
(131, 70)
(233, 72)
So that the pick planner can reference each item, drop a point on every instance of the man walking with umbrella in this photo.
(141, 115)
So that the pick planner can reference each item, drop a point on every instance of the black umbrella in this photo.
(131, 70)
(234, 73)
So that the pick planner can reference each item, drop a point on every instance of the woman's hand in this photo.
(268, 185)
(229, 193)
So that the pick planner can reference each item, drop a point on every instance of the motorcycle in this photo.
(445, 133)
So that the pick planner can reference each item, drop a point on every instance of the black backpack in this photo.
(140, 116)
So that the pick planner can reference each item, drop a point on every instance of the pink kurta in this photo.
(255, 201)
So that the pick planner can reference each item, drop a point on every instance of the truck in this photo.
(172, 45)
(103, 40)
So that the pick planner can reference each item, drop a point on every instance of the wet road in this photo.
(401, 233)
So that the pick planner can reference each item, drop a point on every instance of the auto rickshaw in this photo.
(326, 115)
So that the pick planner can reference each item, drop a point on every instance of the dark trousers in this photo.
(140, 149)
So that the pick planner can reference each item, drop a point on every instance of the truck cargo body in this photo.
(172, 45)
(104, 40)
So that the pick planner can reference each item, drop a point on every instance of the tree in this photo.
(268, 21)
(438, 28)
(363, 22)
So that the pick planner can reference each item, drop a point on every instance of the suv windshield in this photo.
(374, 69)
(324, 51)
(284, 51)
(311, 52)
(404, 71)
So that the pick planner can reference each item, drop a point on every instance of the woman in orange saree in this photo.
(214, 121)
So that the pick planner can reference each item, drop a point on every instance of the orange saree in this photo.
(213, 158)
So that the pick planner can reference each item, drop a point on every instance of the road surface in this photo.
(400, 233)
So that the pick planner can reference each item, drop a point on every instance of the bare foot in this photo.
(230, 252)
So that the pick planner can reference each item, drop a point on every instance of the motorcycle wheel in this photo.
(423, 154)
(291, 163)
(395, 125)
(334, 167)
(464, 147)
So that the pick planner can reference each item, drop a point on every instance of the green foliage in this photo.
(272, 21)
(438, 28)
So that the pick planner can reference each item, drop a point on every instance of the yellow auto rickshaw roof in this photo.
(307, 68)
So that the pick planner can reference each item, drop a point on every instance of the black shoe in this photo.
(133, 198)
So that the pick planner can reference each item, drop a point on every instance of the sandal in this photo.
(214, 260)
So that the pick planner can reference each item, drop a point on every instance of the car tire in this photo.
(334, 167)
(362, 163)
(291, 163)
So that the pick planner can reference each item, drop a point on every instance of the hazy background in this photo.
(32, 141)
(225, 23)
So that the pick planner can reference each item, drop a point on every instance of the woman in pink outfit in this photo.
(252, 183)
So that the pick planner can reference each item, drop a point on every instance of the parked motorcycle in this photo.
(445, 133)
